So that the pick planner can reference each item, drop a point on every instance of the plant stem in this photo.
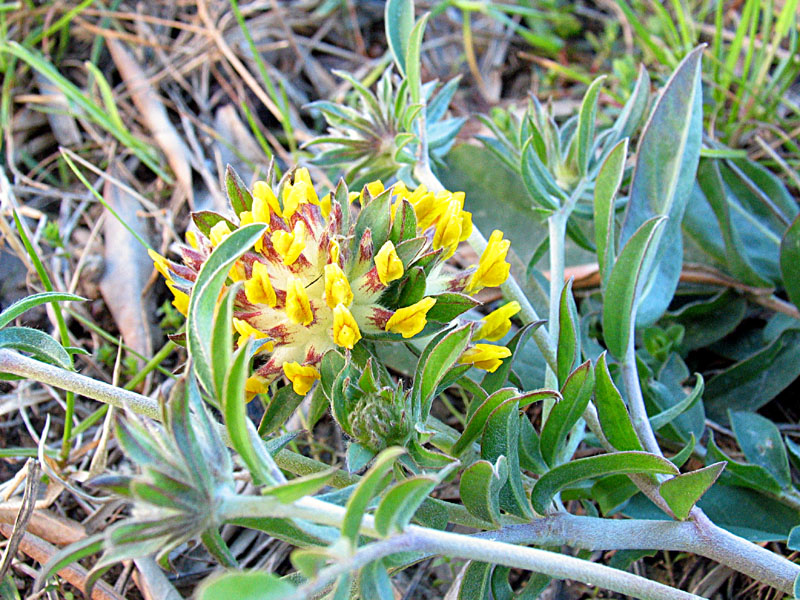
(630, 378)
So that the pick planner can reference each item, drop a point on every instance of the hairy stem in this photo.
(641, 423)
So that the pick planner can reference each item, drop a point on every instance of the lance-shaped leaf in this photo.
(41, 345)
(555, 480)
(576, 393)
(666, 162)
(682, 492)
(280, 408)
(27, 303)
(624, 286)
(238, 194)
(584, 135)
(478, 420)
(606, 187)
(245, 585)
(569, 347)
(754, 477)
(665, 417)
(399, 21)
(203, 301)
(480, 488)
(399, 504)
(614, 417)
(501, 438)
(365, 491)
(413, 56)
(761, 442)
(476, 581)
(222, 342)
(790, 261)
(374, 582)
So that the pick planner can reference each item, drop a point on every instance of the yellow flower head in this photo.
(218, 233)
(290, 244)
(485, 356)
(345, 328)
(498, 322)
(409, 321)
(302, 377)
(298, 307)
(337, 288)
(246, 331)
(389, 265)
(258, 289)
(492, 269)
(264, 201)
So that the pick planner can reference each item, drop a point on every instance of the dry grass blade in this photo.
(23, 516)
(154, 115)
(47, 525)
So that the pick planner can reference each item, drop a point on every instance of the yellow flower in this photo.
(302, 377)
(181, 301)
(302, 175)
(492, 269)
(345, 328)
(258, 289)
(237, 272)
(246, 331)
(325, 205)
(264, 200)
(218, 233)
(290, 244)
(497, 323)
(485, 356)
(255, 384)
(448, 230)
(337, 288)
(298, 308)
(191, 237)
(160, 263)
(334, 251)
(389, 265)
(374, 188)
(409, 321)
(466, 226)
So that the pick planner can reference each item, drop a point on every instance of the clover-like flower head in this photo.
(337, 268)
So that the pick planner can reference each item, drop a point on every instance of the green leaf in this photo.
(357, 457)
(501, 438)
(374, 582)
(666, 417)
(39, 344)
(612, 492)
(478, 420)
(449, 305)
(606, 187)
(793, 541)
(683, 491)
(436, 359)
(709, 320)
(754, 381)
(413, 59)
(576, 393)
(404, 225)
(475, 584)
(790, 261)
(364, 492)
(222, 342)
(545, 489)
(762, 444)
(375, 217)
(666, 162)
(611, 410)
(539, 183)
(399, 21)
(238, 194)
(299, 487)
(480, 487)
(569, 347)
(494, 381)
(27, 303)
(754, 477)
(206, 219)
(622, 294)
(399, 504)
(283, 404)
(203, 301)
(70, 554)
(584, 136)
(245, 585)
(244, 438)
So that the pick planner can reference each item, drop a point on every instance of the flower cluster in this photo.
(333, 270)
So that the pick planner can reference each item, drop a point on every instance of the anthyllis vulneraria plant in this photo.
(333, 269)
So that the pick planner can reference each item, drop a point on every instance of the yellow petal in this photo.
(466, 226)
(181, 301)
(218, 233)
(246, 218)
(258, 288)
(498, 322)
(485, 356)
(302, 377)
(409, 321)
(374, 188)
(264, 200)
(325, 205)
(345, 328)
(290, 244)
(160, 263)
(255, 384)
(298, 308)
(237, 272)
(492, 269)
(337, 287)
(303, 175)
(333, 251)
(388, 264)
(191, 237)
(448, 230)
